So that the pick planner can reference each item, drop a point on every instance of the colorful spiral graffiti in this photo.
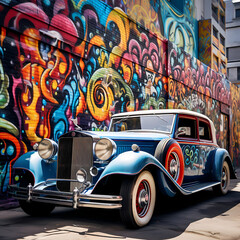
(96, 65)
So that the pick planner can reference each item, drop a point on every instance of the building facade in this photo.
(212, 34)
(233, 40)
(90, 59)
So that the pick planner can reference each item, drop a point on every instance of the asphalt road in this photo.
(198, 217)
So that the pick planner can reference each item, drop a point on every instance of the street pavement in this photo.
(202, 216)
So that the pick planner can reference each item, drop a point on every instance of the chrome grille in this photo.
(74, 153)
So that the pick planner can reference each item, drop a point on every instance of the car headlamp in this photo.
(104, 149)
(81, 175)
(47, 149)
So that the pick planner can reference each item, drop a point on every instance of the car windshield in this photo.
(160, 122)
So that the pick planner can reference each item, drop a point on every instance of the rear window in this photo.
(204, 131)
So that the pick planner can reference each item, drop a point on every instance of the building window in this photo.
(233, 54)
(215, 63)
(215, 12)
(223, 65)
(222, 20)
(222, 40)
(215, 32)
(223, 68)
(237, 13)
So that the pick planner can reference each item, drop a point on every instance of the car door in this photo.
(206, 145)
(187, 136)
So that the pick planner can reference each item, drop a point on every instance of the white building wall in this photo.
(233, 41)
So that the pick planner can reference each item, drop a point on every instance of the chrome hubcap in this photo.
(174, 166)
(143, 198)
(224, 178)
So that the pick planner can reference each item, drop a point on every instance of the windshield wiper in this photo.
(161, 118)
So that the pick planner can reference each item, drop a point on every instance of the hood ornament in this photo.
(75, 122)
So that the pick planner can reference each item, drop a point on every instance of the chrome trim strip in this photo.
(100, 205)
(71, 199)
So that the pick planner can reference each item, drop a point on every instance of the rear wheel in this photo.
(36, 208)
(139, 196)
(223, 188)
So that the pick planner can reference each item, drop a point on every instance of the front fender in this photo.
(131, 163)
(40, 169)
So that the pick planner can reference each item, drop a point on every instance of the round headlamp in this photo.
(81, 175)
(104, 149)
(47, 149)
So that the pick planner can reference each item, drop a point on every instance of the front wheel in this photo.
(223, 187)
(139, 196)
(36, 208)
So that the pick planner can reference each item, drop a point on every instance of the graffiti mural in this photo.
(195, 158)
(205, 45)
(196, 75)
(64, 59)
(163, 18)
(194, 86)
(181, 28)
(235, 126)
(96, 66)
(11, 147)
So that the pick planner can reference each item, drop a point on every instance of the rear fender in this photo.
(222, 155)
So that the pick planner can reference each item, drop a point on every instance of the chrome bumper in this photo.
(70, 199)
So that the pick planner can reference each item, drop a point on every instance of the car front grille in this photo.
(74, 153)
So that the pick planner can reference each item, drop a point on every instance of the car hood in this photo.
(130, 135)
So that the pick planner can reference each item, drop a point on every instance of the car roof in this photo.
(169, 111)
(161, 111)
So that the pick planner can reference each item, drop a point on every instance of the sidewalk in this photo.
(7, 203)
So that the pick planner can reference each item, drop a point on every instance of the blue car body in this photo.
(134, 151)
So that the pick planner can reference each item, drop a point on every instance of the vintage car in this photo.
(143, 153)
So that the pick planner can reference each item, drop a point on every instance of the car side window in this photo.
(187, 128)
(204, 131)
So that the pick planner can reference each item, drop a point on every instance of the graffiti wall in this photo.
(96, 65)
(235, 126)
(65, 59)
(205, 45)
(181, 28)
(173, 20)
(194, 86)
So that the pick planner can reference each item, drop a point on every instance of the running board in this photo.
(188, 189)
